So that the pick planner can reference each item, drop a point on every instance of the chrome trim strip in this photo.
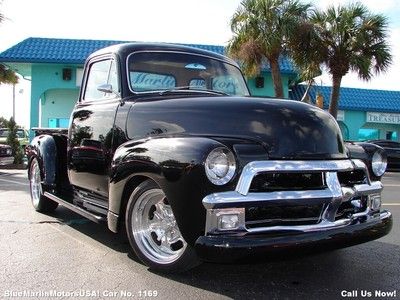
(235, 199)
(91, 216)
(360, 165)
(334, 186)
(303, 228)
(366, 189)
(252, 169)
(318, 227)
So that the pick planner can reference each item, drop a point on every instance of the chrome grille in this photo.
(269, 182)
(272, 196)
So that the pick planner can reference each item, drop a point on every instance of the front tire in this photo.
(153, 232)
(39, 201)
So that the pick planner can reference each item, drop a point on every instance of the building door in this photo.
(391, 135)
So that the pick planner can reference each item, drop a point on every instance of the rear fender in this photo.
(50, 151)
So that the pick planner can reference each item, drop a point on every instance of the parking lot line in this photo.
(14, 182)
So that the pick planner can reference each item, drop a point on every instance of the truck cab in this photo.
(166, 143)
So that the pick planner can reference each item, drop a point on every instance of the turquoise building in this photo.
(55, 68)
(364, 114)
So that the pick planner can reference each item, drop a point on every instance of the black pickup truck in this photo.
(166, 143)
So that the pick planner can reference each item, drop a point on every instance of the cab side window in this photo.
(101, 73)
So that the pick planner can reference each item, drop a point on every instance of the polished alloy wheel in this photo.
(154, 228)
(35, 182)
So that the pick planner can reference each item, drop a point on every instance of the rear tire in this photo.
(153, 233)
(39, 201)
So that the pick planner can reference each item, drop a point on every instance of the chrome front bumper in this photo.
(235, 202)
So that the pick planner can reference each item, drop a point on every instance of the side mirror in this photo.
(105, 88)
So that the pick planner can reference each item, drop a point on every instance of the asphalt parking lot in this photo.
(68, 257)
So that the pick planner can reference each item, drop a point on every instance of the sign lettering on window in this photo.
(386, 118)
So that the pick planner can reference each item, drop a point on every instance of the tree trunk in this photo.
(276, 77)
(335, 94)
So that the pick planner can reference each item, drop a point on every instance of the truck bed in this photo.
(44, 130)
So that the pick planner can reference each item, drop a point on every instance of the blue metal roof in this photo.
(75, 51)
(45, 50)
(354, 99)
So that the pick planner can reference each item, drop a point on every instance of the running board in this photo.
(74, 208)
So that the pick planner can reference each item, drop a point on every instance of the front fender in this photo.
(177, 166)
(365, 151)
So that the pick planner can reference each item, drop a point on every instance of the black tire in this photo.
(156, 247)
(39, 201)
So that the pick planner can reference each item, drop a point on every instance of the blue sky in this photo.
(180, 21)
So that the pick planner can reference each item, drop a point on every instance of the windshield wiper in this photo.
(189, 89)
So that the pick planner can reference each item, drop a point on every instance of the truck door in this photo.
(91, 130)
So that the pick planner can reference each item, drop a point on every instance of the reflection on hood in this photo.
(287, 129)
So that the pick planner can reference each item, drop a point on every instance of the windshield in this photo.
(161, 71)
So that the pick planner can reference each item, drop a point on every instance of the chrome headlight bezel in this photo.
(220, 165)
(378, 163)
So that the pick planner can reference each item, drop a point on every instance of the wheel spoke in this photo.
(160, 208)
(154, 226)
(165, 244)
(157, 215)
(174, 237)
(177, 234)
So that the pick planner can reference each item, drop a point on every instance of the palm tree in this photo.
(6, 75)
(341, 39)
(261, 29)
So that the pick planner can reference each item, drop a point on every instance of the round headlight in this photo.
(220, 166)
(379, 164)
(9, 151)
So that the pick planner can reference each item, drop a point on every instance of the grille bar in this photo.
(254, 168)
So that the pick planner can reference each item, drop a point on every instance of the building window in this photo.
(391, 135)
(368, 134)
(58, 123)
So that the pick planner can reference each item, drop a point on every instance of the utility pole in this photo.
(14, 101)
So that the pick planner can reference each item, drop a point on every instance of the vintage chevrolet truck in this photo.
(166, 143)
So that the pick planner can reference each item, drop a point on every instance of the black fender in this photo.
(177, 166)
(365, 151)
(51, 153)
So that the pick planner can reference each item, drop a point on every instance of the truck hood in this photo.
(287, 129)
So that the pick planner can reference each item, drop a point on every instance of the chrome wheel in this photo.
(35, 183)
(154, 228)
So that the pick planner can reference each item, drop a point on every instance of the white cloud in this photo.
(189, 21)
(375, 6)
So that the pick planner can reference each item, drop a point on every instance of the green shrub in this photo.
(12, 140)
